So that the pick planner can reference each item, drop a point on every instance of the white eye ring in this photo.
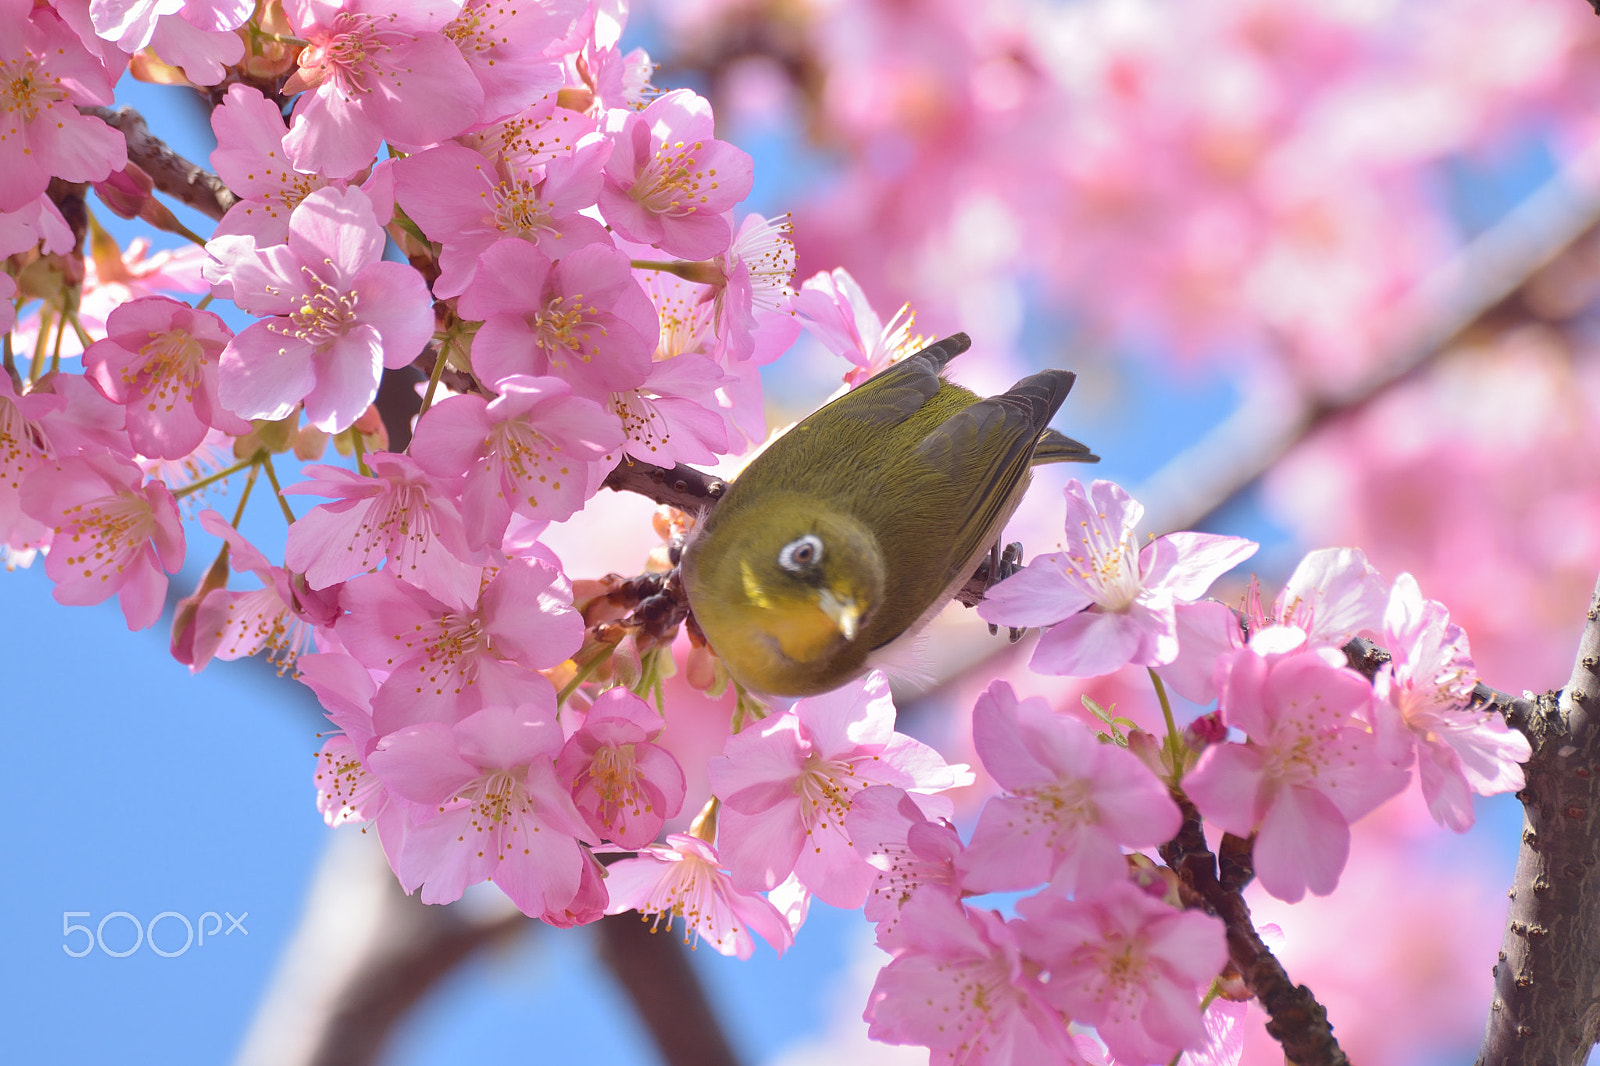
(801, 554)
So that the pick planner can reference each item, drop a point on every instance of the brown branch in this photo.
(1446, 305)
(186, 182)
(364, 954)
(1546, 1006)
(682, 487)
(1296, 1019)
(653, 968)
(1216, 883)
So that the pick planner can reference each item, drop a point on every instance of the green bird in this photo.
(857, 526)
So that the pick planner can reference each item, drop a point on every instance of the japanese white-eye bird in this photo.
(860, 523)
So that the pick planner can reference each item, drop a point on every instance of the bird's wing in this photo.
(985, 450)
(1056, 447)
(899, 392)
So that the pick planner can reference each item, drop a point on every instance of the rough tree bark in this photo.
(1546, 1006)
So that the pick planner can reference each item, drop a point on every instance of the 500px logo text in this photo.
(208, 924)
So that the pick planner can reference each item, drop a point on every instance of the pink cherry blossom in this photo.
(675, 417)
(514, 50)
(485, 804)
(282, 616)
(23, 449)
(1224, 1024)
(534, 450)
(625, 784)
(1334, 594)
(63, 415)
(445, 661)
(787, 782)
(1312, 764)
(1127, 963)
(960, 987)
(583, 319)
(347, 789)
(49, 74)
(524, 143)
(159, 359)
(1071, 802)
(374, 72)
(684, 879)
(1429, 681)
(398, 513)
(332, 313)
(910, 852)
(114, 276)
(832, 306)
(616, 79)
(194, 35)
(757, 274)
(1107, 601)
(469, 203)
(251, 158)
(114, 533)
(36, 224)
(669, 181)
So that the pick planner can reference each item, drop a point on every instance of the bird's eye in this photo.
(801, 554)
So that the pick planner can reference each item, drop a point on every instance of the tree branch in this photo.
(1296, 1019)
(363, 955)
(174, 175)
(682, 487)
(667, 995)
(1546, 1006)
(1493, 266)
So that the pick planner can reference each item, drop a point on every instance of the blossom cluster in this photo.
(1305, 744)
(580, 292)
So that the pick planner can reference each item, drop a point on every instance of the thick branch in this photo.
(1235, 454)
(174, 175)
(363, 955)
(653, 968)
(1546, 1007)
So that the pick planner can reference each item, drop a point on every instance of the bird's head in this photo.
(813, 578)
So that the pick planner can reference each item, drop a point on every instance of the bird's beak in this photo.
(842, 611)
